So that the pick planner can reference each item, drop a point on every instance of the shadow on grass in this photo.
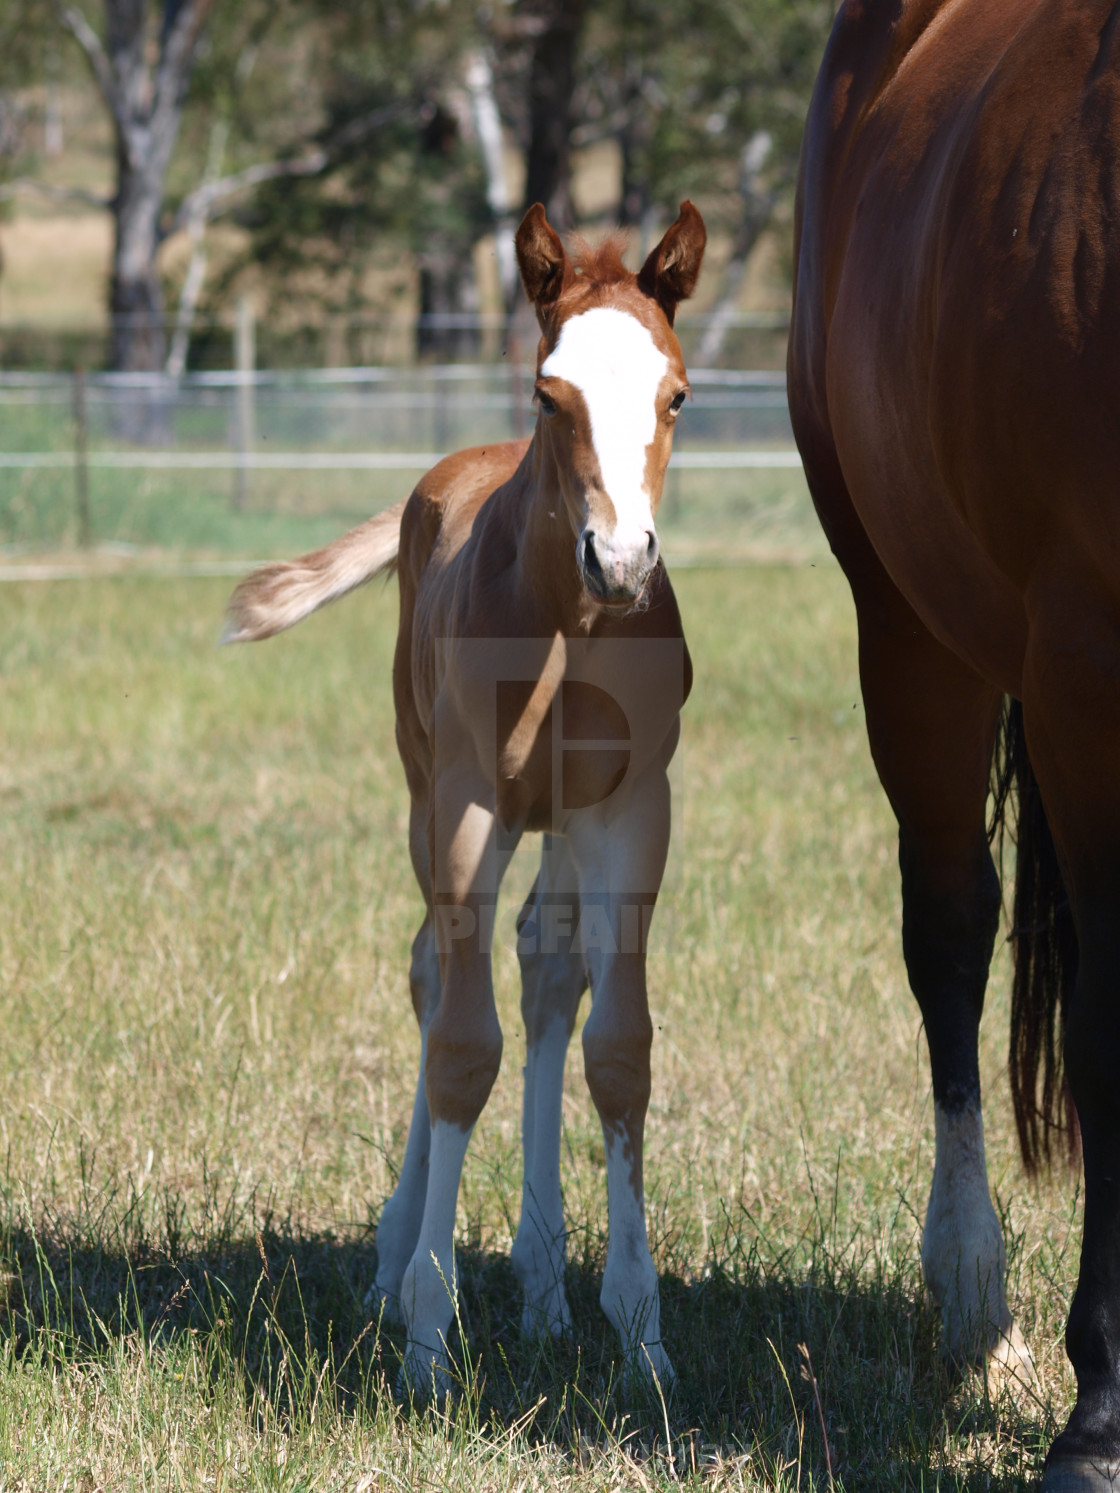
(283, 1315)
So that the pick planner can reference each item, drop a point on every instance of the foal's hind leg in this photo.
(552, 981)
(932, 725)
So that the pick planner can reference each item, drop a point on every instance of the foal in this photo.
(539, 674)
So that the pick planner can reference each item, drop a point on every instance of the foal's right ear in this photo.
(546, 270)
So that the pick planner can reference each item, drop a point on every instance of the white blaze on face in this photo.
(612, 359)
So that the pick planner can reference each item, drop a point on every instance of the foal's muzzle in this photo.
(615, 571)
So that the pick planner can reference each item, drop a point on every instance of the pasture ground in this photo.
(209, 1055)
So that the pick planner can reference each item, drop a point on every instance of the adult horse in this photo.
(539, 675)
(954, 377)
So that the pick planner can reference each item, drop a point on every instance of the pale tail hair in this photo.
(280, 595)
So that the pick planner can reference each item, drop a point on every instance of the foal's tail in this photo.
(1044, 949)
(280, 595)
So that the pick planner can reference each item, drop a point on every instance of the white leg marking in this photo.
(630, 1295)
(428, 1290)
(538, 1252)
(398, 1228)
(399, 1225)
(963, 1256)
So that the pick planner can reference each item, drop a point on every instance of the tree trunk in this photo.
(488, 128)
(447, 328)
(144, 84)
(138, 342)
(139, 338)
(756, 209)
(552, 79)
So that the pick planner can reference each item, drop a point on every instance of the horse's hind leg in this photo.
(399, 1226)
(552, 981)
(1071, 711)
(932, 725)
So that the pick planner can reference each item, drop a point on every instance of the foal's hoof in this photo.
(383, 1306)
(550, 1317)
(1081, 1475)
(425, 1376)
(650, 1363)
(1011, 1363)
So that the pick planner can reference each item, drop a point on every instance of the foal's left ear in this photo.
(546, 270)
(669, 274)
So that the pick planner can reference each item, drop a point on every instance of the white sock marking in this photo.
(428, 1291)
(630, 1295)
(539, 1249)
(963, 1256)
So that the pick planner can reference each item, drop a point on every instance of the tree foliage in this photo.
(412, 193)
(341, 134)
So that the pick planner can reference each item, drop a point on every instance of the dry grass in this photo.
(209, 1057)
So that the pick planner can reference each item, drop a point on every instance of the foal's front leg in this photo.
(552, 981)
(399, 1225)
(463, 1052)
(620, 855)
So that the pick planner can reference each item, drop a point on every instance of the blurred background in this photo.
(257, 265)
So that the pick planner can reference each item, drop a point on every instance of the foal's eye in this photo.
(546, 402)
(677, 400)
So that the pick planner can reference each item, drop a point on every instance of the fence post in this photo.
(245, 356)
(81, 459)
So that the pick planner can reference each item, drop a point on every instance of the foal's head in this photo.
(610, 381)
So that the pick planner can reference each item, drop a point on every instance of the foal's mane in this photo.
(601, 264)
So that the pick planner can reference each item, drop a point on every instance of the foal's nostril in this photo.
(653, 549)
(588, 558)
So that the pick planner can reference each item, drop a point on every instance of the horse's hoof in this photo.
(1081, 1475)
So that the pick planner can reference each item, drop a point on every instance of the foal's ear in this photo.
(669, 274)
(546, 270)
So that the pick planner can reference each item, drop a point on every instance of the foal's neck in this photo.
(546, 550)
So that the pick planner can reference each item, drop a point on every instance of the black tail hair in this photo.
(1044, 950)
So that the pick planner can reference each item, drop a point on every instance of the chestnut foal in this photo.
(539, 675)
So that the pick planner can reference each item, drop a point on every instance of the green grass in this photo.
(209, 1055)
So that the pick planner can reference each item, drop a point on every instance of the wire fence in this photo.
(252, 462)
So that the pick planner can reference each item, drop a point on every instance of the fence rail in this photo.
(125, 457)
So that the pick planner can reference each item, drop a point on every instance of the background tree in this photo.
(23, 49)
(157, 62)
(418, 199)
(353, 135)
(712, 109)
(141, 61)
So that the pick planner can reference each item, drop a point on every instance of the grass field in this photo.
(705, 516)
(209, 1055)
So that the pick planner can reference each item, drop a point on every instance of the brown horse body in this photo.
(954, 382)
(539, 675)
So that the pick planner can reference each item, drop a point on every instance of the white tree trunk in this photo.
(488, 126)
(757, 206)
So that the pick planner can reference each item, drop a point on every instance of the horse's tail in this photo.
(1044, 950)
(280, 595)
